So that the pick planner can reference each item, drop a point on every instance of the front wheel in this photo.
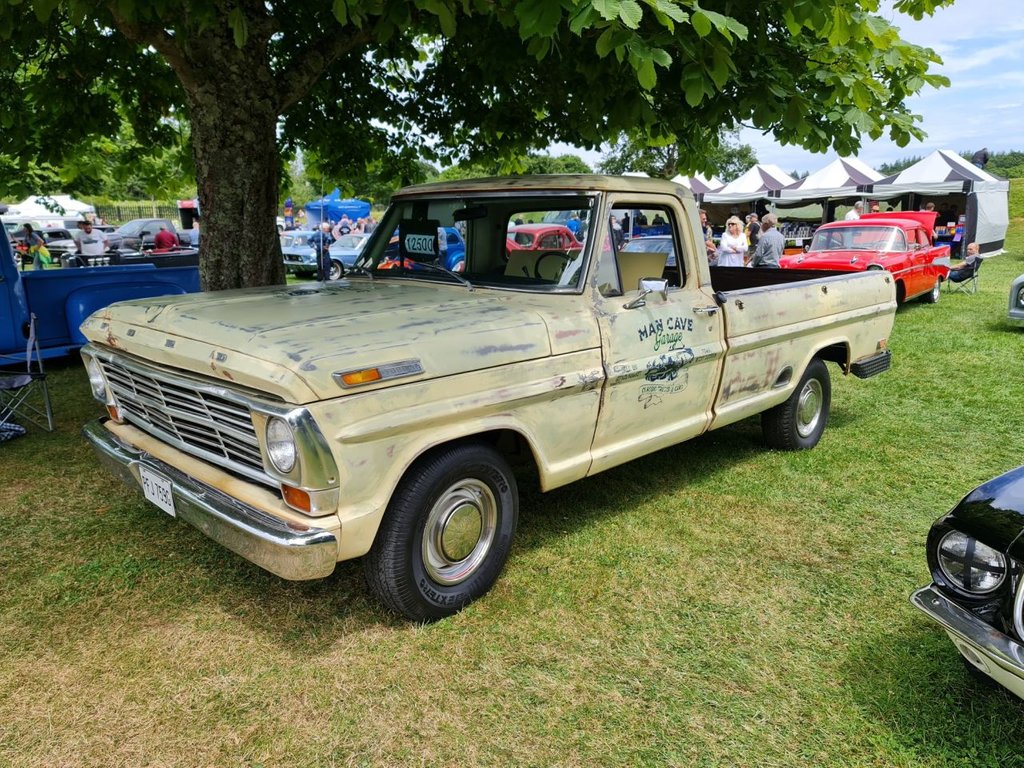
(337, 270)
(446, 533)
(797, 424)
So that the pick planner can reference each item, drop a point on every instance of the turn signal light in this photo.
(114, 413)
(296, 498)
(365, 376)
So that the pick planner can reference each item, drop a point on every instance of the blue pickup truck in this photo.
(62, 298)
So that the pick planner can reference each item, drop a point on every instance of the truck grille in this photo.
(193, 418)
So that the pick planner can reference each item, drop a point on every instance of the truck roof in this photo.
(547, 182)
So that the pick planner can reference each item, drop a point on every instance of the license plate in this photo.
(157, 489)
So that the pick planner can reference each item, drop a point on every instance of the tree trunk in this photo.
(232, 99)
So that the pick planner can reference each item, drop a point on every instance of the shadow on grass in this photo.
(127, 556)
(919, 699)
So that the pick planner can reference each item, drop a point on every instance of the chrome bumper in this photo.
(272, 544)
(1002, 657)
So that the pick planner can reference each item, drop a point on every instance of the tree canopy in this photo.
(377, 86)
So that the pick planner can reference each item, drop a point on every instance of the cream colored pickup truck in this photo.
(380, 416)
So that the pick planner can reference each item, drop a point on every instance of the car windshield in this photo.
(350, 241)
(132, 228)
(859, 238)
(496, 241)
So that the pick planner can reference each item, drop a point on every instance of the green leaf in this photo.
(701, 23)
(606, 42)
(646, 75)
(538, 18)
(631, 13)
(340, 9)
(239, 26)
(670, 9)
(661, 57)
(609, 9)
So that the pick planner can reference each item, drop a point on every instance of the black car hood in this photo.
(994, 513)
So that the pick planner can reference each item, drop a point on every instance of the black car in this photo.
(976, 558)
(139, 234)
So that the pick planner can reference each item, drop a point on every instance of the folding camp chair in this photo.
(968, 280)
(24, 394)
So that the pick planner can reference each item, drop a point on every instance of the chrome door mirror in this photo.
(647, 286)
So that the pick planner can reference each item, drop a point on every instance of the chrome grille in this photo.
(190, 417)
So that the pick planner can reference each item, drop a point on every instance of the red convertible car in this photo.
(901, 242)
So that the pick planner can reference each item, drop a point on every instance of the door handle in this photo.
(705, 310)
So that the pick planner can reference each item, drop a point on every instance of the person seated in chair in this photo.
(966, 270)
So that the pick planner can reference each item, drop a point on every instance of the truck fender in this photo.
(82, 302)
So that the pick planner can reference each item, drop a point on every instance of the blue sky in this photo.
(981, 43)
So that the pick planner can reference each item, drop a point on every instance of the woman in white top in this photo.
(732, 248)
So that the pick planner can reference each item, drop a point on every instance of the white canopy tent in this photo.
(840, 178)
(699, 184)
(956, 187)
(50, 207)
(754, 184)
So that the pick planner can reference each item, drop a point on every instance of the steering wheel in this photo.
(550, 256)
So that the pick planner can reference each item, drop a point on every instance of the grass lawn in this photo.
(713, 604)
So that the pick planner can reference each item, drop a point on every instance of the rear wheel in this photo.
(797, 424)
(337, 270)
(446, 534)
(932, 297)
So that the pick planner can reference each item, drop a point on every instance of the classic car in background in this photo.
(1017, 301)
(901, 242)
(345, 250)
(976, 559)
(655, 243)
(299, 255)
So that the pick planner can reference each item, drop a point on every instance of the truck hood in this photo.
(291, 339)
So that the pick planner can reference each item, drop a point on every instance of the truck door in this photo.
(662, 353)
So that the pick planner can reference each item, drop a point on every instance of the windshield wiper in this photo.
(360, 270)
(447, 271)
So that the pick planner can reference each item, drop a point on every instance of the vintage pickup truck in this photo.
(61, 299)
(383, 415)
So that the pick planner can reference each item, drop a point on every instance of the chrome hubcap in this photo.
(808, 409)
(459, 532)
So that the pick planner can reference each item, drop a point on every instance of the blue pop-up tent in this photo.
(332, 207)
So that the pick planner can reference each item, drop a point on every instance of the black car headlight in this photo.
(969, 565)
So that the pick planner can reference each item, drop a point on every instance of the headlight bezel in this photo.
(282, 449)
(946, 554)
(97, 381)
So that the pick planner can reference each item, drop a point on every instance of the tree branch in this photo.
(156, 36)
(318, 55)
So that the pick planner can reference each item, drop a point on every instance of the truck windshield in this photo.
(535, 243)
(859, 238)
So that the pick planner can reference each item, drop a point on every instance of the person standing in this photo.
(35, 246)
(709, 238)
(980, 158)
(854, 213)
(753, 230)
(732, 248)
(164, 240)
(770, 245)
(89, 242)
(321, 242)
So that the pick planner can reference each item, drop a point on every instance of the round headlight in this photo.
(280, 445)
(970, 565)
(99, 386)
(1020, 297)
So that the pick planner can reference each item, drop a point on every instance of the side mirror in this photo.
(647, 286)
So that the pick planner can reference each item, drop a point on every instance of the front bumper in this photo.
(997, 655)
(291, 551)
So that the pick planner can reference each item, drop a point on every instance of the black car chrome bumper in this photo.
(295, 553)
(997, 655)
